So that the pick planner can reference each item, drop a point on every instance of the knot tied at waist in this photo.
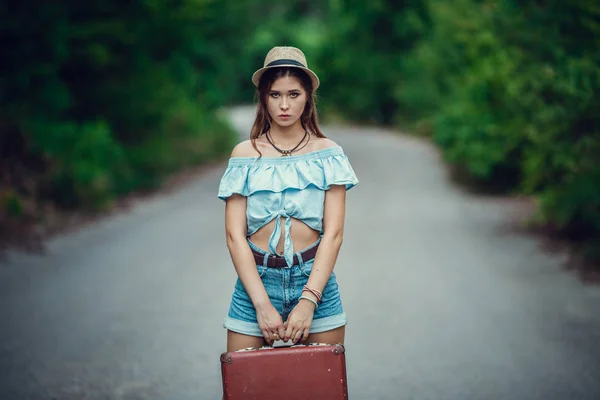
(288, 246)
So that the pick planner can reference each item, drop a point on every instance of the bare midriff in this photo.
(302, 236)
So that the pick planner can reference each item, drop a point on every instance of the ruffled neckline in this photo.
(313, 155)
(320, 168)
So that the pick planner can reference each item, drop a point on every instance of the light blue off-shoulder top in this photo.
(286, 187)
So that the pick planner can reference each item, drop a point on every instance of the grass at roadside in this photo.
(160, 164)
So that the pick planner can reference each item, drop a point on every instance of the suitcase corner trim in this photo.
(226, 358)
(339, 349)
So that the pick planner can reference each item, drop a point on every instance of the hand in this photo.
(270, 323)
(297, 326)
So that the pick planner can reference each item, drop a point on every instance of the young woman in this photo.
(285, 192)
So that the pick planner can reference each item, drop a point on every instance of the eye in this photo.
(294, 95)
(274, 95)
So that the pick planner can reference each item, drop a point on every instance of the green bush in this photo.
(84, 161)
(362, 50)
(99, 99)
(192, 136)
(508, 89)
(515, 100)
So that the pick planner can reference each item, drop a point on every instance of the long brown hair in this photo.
(309, 118)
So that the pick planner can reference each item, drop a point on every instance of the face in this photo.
(286, 101)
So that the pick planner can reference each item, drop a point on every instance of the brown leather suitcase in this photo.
(300, 372)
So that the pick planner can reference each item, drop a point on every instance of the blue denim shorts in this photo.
(284, 287)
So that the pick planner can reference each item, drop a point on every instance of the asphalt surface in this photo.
(444, 300)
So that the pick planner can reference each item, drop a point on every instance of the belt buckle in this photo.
(276, 258)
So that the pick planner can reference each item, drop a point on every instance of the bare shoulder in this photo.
(244, 149)
(324, 143)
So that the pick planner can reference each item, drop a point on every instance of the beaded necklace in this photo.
(285, 153)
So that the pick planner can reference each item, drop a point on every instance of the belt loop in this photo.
(300, 260)
(266, 260)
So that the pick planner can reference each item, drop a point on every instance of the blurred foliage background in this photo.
(104, 98)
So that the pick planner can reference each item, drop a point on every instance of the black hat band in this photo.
(285, 62)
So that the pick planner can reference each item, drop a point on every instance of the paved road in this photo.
(444, 302)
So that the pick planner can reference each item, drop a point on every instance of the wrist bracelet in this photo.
(309, 299)
(317, 294)
(313, 293)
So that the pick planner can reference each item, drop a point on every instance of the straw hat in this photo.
(283, 56)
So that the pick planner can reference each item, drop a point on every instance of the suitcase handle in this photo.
(285, 344)
(339, 349)
(267, 347)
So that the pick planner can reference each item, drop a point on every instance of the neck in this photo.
(287, 136)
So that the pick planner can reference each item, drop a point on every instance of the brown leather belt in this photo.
(277, 261)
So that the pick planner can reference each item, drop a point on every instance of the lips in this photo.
(284, 116)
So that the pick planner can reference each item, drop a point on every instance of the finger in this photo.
(267, 336)
(297, 335)
(281, 331)
(289, 331)
(273, 334)
(306, 333)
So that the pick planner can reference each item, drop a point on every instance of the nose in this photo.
(284, 104)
